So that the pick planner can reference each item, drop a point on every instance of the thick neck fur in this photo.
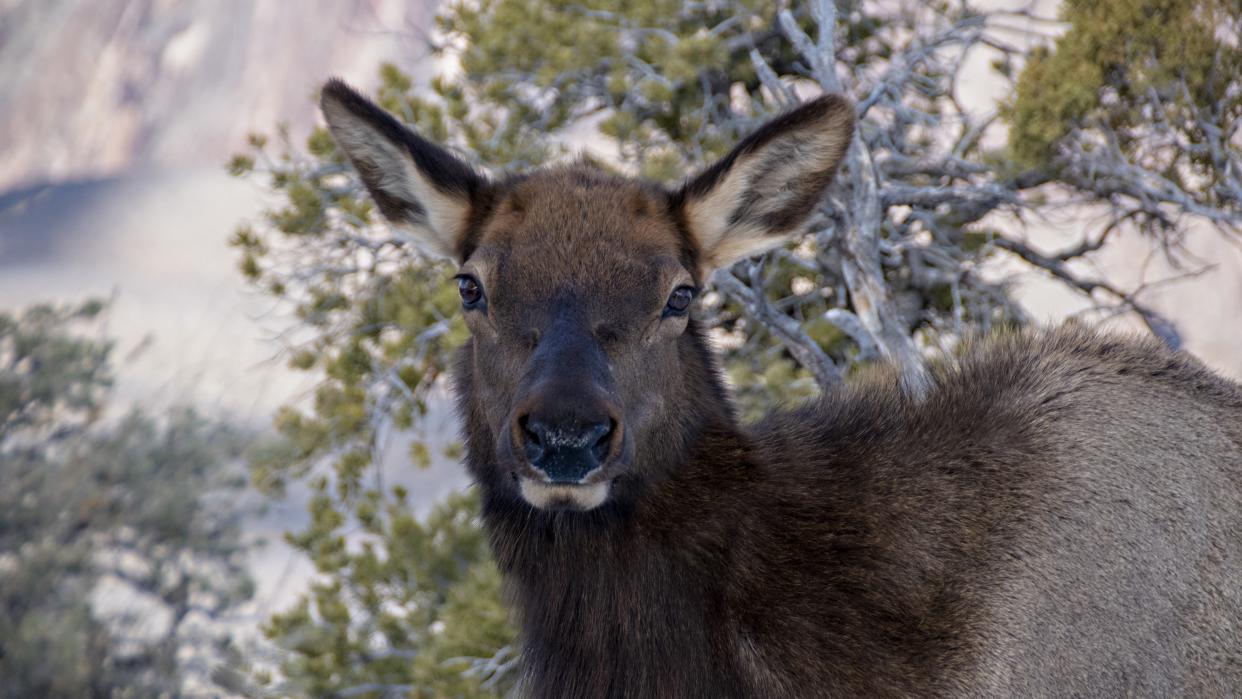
(621, 601)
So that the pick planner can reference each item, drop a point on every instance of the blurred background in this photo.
(228, 462)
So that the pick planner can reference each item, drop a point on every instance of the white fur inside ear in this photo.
(755, 205)
(435, 219)
(720, 240)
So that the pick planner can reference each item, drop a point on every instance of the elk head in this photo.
(585, 377)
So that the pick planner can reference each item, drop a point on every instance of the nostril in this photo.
(567, 449)
(533, 436)
(605, 434)
(533, 433)
(603, 442)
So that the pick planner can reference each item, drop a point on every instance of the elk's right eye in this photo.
(471, 292)
(679, 301)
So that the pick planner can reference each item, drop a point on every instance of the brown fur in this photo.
(1060, 515)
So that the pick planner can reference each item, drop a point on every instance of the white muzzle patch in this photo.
(548, 496)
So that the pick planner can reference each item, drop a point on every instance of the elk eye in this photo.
(679, 301)
(471, 292)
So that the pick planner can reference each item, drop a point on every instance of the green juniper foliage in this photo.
(1101, 74)
(892, 262)
(138, 500)
(1139, 99)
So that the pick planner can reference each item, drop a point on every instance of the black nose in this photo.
(566, 451)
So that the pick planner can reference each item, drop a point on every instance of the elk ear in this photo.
(415, 183)
(764, 190)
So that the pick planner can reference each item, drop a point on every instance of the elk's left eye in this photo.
(470, 290)
(679, 301)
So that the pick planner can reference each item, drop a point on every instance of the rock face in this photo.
(91, 88)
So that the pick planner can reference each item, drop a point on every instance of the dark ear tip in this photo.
(337, 91)
(831, 107)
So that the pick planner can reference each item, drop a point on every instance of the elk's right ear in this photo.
(415, 183)
(767, 186)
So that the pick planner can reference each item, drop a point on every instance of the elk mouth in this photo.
(563, 496)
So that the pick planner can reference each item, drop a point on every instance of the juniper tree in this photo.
(1114, 113)
(142, 502)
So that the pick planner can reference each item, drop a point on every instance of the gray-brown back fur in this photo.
(1062, 516)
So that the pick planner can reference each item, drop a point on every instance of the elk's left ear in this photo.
(767, 186)
(415, 183)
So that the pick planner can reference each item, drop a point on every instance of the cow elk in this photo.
(1058, 514)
